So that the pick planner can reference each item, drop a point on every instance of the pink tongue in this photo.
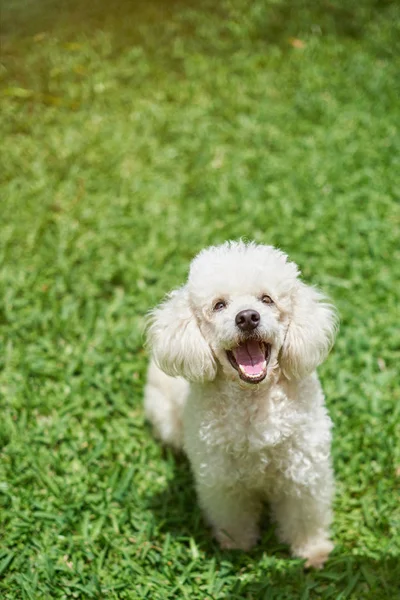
(250, 356)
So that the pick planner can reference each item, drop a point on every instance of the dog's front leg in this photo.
(303, 517)
(233, 513)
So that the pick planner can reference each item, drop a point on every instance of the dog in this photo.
(232, 381)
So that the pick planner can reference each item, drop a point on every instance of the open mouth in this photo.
(250, 359)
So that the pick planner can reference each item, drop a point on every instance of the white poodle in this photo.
(248, 334)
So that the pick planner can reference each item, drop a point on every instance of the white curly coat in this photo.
(247, 443)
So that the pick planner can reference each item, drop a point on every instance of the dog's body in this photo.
(248, 335)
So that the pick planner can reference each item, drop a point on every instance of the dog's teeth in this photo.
(253, 375)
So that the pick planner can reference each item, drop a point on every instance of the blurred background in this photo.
(133, 134)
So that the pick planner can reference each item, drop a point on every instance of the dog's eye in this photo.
(219, 305)
(267, 299)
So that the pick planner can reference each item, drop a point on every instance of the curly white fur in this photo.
(248, 442)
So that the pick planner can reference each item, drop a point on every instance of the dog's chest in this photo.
(247, 426)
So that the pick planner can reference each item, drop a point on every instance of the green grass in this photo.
(134, 134)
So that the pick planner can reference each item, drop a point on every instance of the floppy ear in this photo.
(310, 335)
(176, 341)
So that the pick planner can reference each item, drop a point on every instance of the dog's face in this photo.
(244, 331)
(241, 303)
(243, 314)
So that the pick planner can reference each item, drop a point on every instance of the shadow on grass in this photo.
(176, 509)
(274, 23)
(345, 576)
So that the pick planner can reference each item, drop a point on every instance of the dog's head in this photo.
(243, 313)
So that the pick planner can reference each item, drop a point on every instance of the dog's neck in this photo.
(233, 388)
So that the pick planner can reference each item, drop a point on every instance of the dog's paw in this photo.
(315, 552)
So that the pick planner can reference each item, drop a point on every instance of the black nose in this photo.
(247, 320)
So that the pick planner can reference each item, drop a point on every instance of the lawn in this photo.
(134, 133)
